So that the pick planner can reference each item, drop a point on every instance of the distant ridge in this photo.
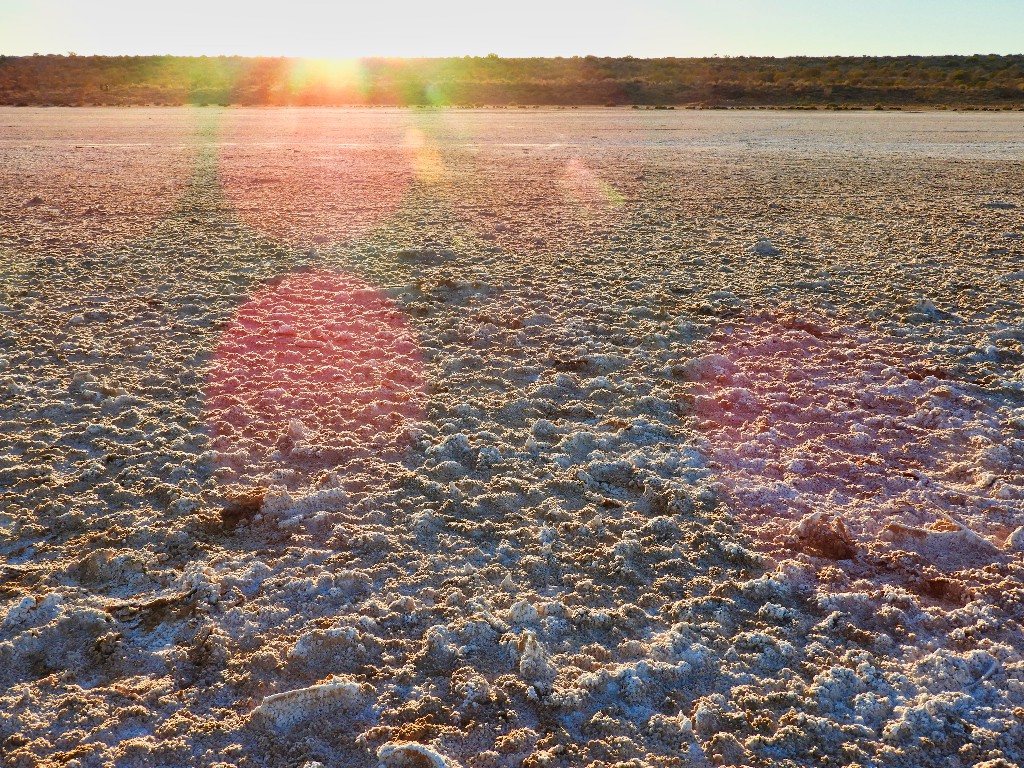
(988, 81)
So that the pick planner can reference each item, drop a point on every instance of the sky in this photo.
(642, 28)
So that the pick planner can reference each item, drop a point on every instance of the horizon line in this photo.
(75, 54)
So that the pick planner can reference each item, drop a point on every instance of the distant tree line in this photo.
(957, 81)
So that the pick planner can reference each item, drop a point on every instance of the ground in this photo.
(511, 437)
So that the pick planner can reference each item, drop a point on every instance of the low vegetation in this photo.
(836, 82)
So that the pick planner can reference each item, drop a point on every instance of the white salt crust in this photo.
(606, 528)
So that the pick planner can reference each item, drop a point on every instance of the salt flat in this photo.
(511, 437)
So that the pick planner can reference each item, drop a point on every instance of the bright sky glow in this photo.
(643, 28)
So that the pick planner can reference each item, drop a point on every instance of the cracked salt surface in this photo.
(664, 448)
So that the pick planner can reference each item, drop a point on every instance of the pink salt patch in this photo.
(314, 176)
(802, 417)
(317, 372)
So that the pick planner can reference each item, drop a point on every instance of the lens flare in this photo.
(313, 176)
(508, 178)
(316, 372)
(339, 82)
(427, 163)
(583, 184)
(806, 418)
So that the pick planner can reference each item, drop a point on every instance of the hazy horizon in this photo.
(454, 28)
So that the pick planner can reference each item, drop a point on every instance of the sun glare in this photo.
(427, 163)
(341, 81)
